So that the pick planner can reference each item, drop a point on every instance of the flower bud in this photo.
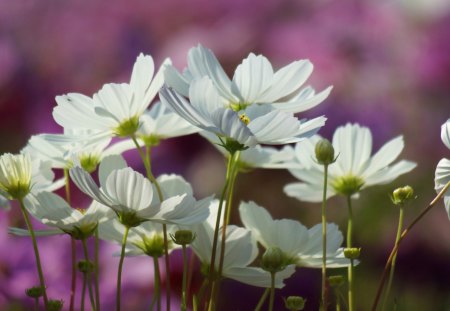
(336, 280)
(324, 152)
(85, 266)
(352, 253)
(294, 303)
(403, 194)
(55, 305)
(183, 237)
(34, 292)
(273, 260)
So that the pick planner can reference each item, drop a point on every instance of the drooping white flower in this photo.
(247, 127)
(299, 245)
(355, 167)
(55, 212)
(132, 196)
(442, 175)
(240, 251)
(254, 81)
(115, 110)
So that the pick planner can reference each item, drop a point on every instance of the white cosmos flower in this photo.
(240, 251)
(132, 196)
(254, 81)
(15, 175)
(300, 245)
(442, 175)
(116, 108)
(41, 175)
(146, 239)
(61, 149)
(53, 211)
(156, 124)
(255, 124)
(355, 168)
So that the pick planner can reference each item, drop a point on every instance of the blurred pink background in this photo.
(389, 63)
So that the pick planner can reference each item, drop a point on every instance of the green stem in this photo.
(392, 270)
(184, 282)
(96, 271)
(403, 235)
(324, 238)
(338, 303)
(226, 217)
(83, 291)
(262, 299)
(73, 250)
(216, 230)
(146, 159)
(36, 252)
(157, 284)
(272, 291)
(88, 275)
(201, 291)
(349, 245)
(119, 272)
(36, 304)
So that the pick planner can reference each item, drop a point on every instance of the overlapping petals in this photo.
(353, 145)
(442, 175)
(300, 245)
(255, 124)
(254, 81)
(240, 251)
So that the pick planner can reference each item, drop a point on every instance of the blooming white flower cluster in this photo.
(256, 106)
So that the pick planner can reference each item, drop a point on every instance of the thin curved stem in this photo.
(262, 299)
(403, 235)
(146, 159)
(226, 217)
(83, 291)
(324, 238)
(184, 282)
(351, 302)
(272, 291)
(36, 252)
(96, 271)
(216, 233)
(119, 272)
(88, 275)
(392, 270)
(157, 283)
(73, 249)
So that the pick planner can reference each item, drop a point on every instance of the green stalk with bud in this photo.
(325, 156)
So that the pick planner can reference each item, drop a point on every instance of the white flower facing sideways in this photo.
(115, 110)
(355, 168)
(247, 127)
(53, 211)
(240, 251)
(300, 246)
(132, 196)
(24, 173)
(442, 176)
(146, 239)
(61, 149)
(254, 81)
